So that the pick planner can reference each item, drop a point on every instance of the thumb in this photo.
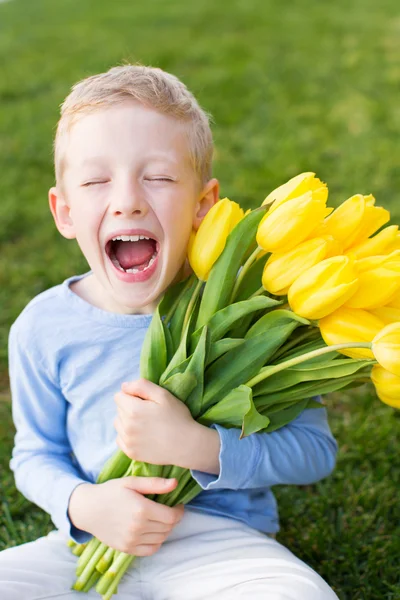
(150, 485)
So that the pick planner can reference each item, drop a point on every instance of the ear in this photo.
(61, 213)
(206, 200)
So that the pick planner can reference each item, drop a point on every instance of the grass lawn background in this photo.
(292, 86)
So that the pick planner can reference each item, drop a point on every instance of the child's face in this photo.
(127, 168)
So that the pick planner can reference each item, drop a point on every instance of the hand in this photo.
(119, 515)
(155, 427)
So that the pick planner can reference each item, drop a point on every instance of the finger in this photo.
(153, 538)
(150, 485)
(145, 389)
(121, 444)
(119, 426)
(157, 527)
(127, 403)
(146, 550)
(164, 514)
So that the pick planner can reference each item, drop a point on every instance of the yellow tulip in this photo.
(350, 325)
(395, 245)
(394, 301)
(373, 218)
(291, 223)
(282, 268)
(387, 386)
(386, 348)
(378, 284)
(297, 186)
(387, 314)
(378, 244)
(346, 219)
(323, 288)
(356, 219)
(206, 245)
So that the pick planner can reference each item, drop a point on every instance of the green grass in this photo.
(292, 86)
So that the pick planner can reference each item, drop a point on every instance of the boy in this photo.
(133, 154)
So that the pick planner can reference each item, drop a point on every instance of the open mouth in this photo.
(132, 254)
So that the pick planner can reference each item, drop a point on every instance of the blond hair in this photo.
(150, 86)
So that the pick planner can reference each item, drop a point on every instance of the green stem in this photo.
(93, 579)
(86, 555)
(192, 303)
(88, 571)
(105, 561)
(271, 370)
(283, 349)
(244, 270)
(117, 569)
(112, 589)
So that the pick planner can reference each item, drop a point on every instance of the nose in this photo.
(129, 199)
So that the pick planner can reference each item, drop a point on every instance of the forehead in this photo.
(124, 133)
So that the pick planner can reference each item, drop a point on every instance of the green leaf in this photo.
(221, 322)
(251, 281)
(222, 346)
(176, 323)
(286, 416)
(168, 342)
(197, 366)
(242, 363)
(298, 374)
(153, 356)
(180, 355)
(305, 390)
(222, 277)
(172, 296)
(275, 319)
(181, 385)
(236, 409)
(253, 421)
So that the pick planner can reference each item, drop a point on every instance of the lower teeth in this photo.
(133, 270)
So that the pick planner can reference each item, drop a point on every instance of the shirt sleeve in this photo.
(302, 452)
(42, 459)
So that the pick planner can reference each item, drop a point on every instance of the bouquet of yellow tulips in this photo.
(287, 302)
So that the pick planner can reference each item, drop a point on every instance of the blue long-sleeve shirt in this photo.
(67, 360)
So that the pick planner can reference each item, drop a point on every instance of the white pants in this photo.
(204, 558)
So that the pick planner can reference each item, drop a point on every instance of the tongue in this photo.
(132, 254)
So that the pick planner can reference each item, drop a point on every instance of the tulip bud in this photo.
(346, 219)
(323, 288)
(292, 222)
(282, 268)
(386, 348)
(373, 218)
(375, 245)
(387, 386)
(206, 245)
(350, 325)
(297, 186)
(387, 314)
(378, 284)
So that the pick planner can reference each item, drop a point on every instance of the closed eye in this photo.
(159, 179)
(92, 183)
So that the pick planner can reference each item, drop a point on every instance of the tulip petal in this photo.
(282, 268)
(375, 289)
(291, 223)
(346, 218)
(350, 325)
(323, 288)
(296, 186)
(386, 348)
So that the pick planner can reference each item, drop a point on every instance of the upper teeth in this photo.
(131, 238)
